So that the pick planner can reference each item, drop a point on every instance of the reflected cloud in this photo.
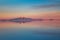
(47, 33)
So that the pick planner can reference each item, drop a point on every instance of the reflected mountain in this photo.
(24, 20)
(17, 20)
(3, 20)
(20, 20)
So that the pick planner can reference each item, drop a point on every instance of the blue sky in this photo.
(28, 8)
(29, 2)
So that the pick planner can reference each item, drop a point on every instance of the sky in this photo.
(29, 8)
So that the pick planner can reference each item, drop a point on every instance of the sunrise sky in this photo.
(29, 8)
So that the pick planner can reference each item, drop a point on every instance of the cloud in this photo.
(47, 6)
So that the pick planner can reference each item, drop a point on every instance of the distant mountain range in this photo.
(20, 20)
(24, 19)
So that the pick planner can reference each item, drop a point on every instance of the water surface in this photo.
(30, 31)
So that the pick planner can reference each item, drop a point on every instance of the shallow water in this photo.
(30, 31)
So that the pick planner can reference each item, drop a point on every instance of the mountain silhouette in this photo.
(24, 20)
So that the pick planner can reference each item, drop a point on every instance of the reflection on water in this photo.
(38, 30)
